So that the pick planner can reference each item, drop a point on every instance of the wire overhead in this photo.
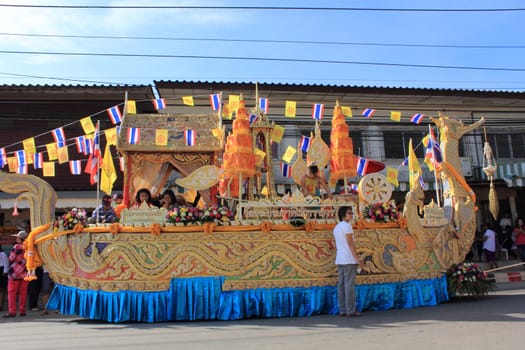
(266, 41)
(268, 59)
(263, 8)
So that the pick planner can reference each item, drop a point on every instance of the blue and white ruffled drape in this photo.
(202, 298)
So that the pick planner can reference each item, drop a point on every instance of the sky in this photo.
(367, 47)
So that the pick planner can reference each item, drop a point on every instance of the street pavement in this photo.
(493, 322)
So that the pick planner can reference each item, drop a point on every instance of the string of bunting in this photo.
(57, 151)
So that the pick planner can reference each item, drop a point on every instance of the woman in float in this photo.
(168, 200)
(312, 182)
(143, 195)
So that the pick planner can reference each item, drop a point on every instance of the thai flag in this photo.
(436, 150)
(59, 136)
(95, 158)
(317, 111)
(190, 136)
(80, 142)
(38, 160)
(286, 170)
(253, 118)
(159, 103)
(362, 166)
(74, 167)
(88, 146)
(305, 143)
(405, 162)
(263, 105)
(22, 169)
(133, 136)
(417, 118)
(21, 157)
(114, 114)
(354, 188)
(215, 101)
(3, 157)
(421, 182)
(368, 112)
(121, 162)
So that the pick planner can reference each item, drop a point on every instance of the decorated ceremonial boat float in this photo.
(275, 258)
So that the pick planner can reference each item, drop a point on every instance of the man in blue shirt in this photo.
(104, 213)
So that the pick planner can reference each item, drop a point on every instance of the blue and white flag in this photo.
(159, 103)
(263, 105)
(114, 114)
(133, 136)
(74, 167)
(59, 136)
(305, 143)
(317, 111)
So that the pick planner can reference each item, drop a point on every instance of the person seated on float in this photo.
(118, 198)
(312, 182)
(104, 213)
(143, 195)
(168, 200)
(181, 201)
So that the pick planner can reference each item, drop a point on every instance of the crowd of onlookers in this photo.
(494, 238)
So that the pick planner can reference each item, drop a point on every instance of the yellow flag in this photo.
(87, 125)
(233, 102)
(347, 111)
(111, 136)
(63, 155)
(392, 176)
(52, 151)
(264, 191)
(226, 112)
(108, 175)
(48, 168)
(29, 146)
(425, 140)
(131, 108)
(12, 163)
(259, 156)
(288, 155)
(277, 133)
(161, 137)
(188, 100)
(395, 116)
(290, 109)
(30, 149)
(428, 162)
(414, 169)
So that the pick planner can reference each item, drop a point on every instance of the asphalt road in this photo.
(493, 322)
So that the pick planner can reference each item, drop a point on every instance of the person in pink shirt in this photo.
(16, 285)
(519, 234)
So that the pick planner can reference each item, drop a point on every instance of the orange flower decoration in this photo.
(360, 224)
(266, 227)
(402, 221)
(78, 228)
(208, 227)
(155, 229)
(310, 226)
(114, 228)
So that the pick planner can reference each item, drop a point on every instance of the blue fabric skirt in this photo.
(202, 298)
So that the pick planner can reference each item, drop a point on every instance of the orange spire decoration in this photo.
(343, 163)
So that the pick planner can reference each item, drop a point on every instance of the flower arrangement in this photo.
(70, 219)
(183, 214)
(468, 279)
(220, 214)
(381, 212)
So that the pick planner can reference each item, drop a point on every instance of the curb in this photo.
(513, 276)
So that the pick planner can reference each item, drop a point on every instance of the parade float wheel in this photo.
(374, 188)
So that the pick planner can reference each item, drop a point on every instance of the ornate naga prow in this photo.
(41, 196)
(459, 197)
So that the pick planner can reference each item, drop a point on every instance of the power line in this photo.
(266, 41)
(263, 8)
(267, 59)
(61, 79)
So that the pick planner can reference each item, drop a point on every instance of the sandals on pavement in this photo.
(9, 315)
